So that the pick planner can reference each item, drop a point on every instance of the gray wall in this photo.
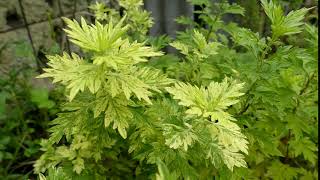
(164, 13)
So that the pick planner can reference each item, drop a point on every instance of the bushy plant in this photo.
(231, 105)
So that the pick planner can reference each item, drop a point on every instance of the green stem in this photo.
(303, 90)
(15, 154)
(209, 33)
(287, 148)
(259, 68)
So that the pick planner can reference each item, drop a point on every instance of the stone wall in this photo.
(45, 25)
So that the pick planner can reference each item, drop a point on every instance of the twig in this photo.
(22, 164)
(306, 85)
(287, 148)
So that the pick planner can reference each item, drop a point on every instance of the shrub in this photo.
(233, 104)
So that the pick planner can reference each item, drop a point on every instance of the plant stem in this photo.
(303, 90)
(15, 154)
(259, 67)
(209, 33)
(287, 148)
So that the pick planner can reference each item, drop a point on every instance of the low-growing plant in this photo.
(26, 108)
(232, 105)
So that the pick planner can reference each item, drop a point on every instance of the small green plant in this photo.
(25, 111)
(231, 105)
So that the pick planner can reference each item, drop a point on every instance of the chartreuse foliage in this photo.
(232, 105)
(138, 20)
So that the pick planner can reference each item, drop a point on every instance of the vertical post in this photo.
(39, 69)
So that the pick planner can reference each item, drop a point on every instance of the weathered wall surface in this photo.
(43, 19)
(44, 22)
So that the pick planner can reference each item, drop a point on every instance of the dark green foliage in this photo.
(25, 110)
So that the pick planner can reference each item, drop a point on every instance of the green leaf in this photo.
(137, 81)
(164, 173)
(277, 169)
(211, 102)
(199, 49)
(152, 77)
(118, 113)
(306, 175)
(304, 147)
(42, 177)
(159, 42)
(177, 137)
(106, 41)
(281, 24)
(98, 37)
(56, 174)
(268, 144)
(125, 53)
(75, 73)
(248, 39)
(128, 84)
(207, 100)
(41, 98)
(232, 8)
(78, 165)
(297, 125)
(220, 155)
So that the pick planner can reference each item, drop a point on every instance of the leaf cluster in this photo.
(234, 104)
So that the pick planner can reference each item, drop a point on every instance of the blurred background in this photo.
(31, 29)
